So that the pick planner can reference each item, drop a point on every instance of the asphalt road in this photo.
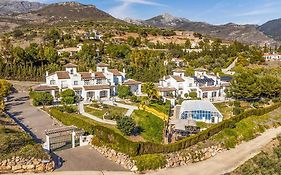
(35, 122)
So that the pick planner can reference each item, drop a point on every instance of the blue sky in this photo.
(211, 11)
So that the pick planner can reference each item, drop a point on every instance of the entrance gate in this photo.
(62, 138)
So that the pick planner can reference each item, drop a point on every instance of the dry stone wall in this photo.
(23, 165)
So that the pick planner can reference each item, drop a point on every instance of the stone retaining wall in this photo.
(184, 157)
(191, 155)
(117, 157)
(22, 165)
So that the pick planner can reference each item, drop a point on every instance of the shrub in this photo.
(68, 100)
(67, 93)
(126, 125)
(150, 162)
(237, 110)
(42, 98)
(123, 91)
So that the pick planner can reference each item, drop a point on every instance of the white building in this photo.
(206, 86)
(272, 56)
(89, 85)
(199, 110)
(70, 50)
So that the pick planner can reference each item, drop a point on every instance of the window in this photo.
(86, 82)
(99, 81)
(190, 84)
(71, 71)
(75, 83)
(52, 82)
(214, 94)
(205, 95)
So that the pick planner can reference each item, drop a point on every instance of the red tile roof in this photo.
(70, 65)
(166, 89)
(96, 87)
(177, 78)
(45, 88)
(102, 65)
(131, 82)
(115, 72)
(62, 75)
(86, 75)
(99, 75)
(210, 88)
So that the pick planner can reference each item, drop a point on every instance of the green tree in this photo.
(150, 90)
(126, 125)
(123, 91)
(67, 96)
(42, 98)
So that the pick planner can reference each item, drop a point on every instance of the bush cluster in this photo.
(41, 98)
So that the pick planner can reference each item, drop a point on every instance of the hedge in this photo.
(150, 162)
(111, 138)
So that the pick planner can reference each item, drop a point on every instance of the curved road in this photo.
(226, 161)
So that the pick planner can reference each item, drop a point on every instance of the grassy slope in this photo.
(152, 126)
(102, 111)
(248, 129)
(14, 142)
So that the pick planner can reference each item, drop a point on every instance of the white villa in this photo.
(89, 85)
(207, 86)
(272, 56)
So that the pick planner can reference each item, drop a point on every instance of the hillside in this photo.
(243, 33)
(272, 29)
(52, 14)
(9, 7)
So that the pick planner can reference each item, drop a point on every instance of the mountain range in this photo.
(252, 34)
(15, 13)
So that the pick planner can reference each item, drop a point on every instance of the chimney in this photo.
(47, 73)
(124, 71)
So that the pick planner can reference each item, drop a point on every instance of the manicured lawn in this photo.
(99, 112)
(151, 125)
(161, 108)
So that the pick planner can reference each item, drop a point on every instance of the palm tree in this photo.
(150, 90)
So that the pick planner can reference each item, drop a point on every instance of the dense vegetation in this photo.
(255, 84)
(147, 65)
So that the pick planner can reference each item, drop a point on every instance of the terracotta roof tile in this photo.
(45, 88)
(62, 75)
(177, 78)
(115, 72)
(86, 75)
(166, 89)
(102, 65)
(131, 82)
(210, 88)
(99, 75)
(70, 65)
(96, 87)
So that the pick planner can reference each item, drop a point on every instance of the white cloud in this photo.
(124, 9)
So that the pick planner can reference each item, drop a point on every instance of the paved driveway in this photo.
(36, 122)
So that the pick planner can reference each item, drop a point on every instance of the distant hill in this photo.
(242, 33)
(50, 14)
(272, 28)
(71, 11)
(9, 7)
